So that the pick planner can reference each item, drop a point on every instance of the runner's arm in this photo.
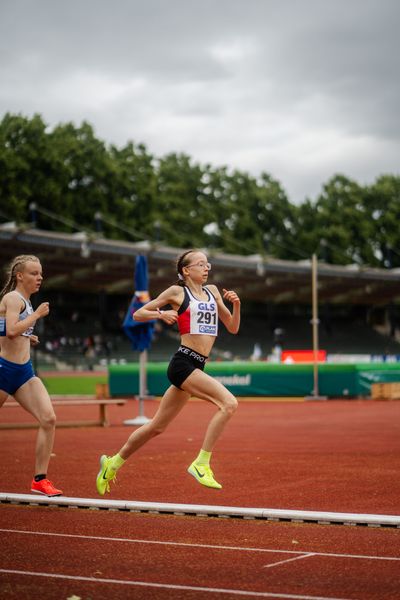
(14, 305)
(152, 310)
(231, 320)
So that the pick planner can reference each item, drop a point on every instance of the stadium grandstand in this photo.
(89, 283)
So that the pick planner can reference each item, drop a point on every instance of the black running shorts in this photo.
(183, 363)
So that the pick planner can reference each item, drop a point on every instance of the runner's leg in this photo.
(171, 404)
(33, 397)
(203, 386)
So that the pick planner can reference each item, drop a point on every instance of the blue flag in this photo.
(140, 334)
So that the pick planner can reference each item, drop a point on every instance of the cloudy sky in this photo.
(301, 89)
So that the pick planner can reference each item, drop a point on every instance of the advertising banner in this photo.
(263, 379)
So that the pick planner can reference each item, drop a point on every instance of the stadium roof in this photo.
(90, 264)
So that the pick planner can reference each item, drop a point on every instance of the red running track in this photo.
(334, 456)
(127, 555)
(329, 456)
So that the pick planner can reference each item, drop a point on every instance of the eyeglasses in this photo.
(201, 264)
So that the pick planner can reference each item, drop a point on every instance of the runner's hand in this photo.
(168, 316)
(42, 310)
(34, 340)
(231, 296)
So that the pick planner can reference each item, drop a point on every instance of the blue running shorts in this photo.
(14, 375)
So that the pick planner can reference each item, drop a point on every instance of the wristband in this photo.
(160, 312)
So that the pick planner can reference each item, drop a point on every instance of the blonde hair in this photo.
(16, 265)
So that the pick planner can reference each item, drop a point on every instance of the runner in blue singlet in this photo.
(17, 378)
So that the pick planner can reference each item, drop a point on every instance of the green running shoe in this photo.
(204, 475)
(105, 475)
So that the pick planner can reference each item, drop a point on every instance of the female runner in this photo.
(17, 378)
(196, 309)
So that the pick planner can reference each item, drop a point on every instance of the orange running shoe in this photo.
(45, 487)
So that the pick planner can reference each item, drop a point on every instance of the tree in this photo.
(132, 190)
(247, 216)
(337, 227)
(180, 206)
(24, 162)
(72, 175)
(383, 210)
(81, 180)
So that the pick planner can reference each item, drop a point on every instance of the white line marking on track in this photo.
(188, 545)
(168, 586)
(282, 562)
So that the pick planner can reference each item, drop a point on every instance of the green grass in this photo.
(73, 384)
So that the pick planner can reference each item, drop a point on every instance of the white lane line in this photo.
(187, 545)
(288, 560)
(168, 586)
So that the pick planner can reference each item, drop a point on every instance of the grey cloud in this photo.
(301, 89)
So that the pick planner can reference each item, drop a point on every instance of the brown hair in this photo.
(181, 262)
(16, 265)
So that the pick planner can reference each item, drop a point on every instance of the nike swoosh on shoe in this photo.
(198, 472)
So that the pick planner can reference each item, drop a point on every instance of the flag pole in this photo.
(140, 338)
(141, 419)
